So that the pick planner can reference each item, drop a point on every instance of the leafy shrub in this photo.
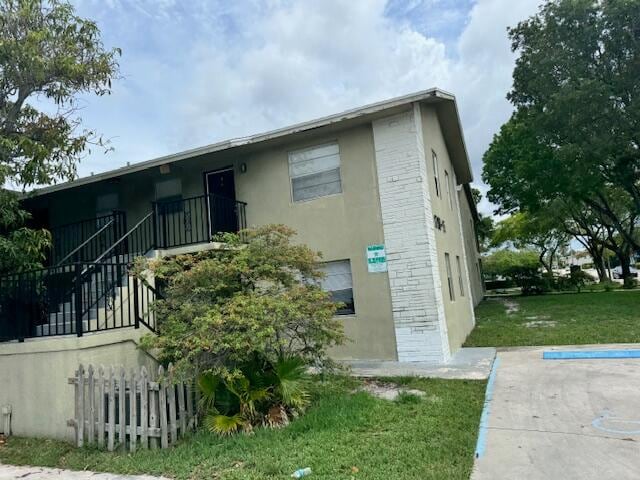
(222, 307)
(629, 283)
(522, 267)
(576, 280)
(609, 286)
(236, 317)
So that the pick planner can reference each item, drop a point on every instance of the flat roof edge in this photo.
(252, 139)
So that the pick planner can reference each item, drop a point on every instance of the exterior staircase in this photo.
(86, 292)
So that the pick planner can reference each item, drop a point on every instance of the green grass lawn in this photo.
(563, 319)
(433, 438)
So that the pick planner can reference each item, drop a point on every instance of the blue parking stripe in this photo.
(591, 354)
(484, 418)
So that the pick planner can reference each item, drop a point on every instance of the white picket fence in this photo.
(122, 410)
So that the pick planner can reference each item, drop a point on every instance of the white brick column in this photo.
(416, 290)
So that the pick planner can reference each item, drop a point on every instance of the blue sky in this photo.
(199, 71)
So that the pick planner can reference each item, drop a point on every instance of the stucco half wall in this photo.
(34, 376)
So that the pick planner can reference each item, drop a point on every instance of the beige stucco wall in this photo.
(340, 226)
(459, 313)
(471, 248)
(33, 376)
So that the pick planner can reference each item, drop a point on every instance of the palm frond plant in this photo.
(291, 383)
(257, 393)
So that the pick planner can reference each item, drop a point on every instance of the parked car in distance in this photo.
(617, 272)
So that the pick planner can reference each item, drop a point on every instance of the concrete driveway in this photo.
(569, 419)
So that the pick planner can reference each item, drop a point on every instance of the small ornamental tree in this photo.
(259, 295)
(247, 320)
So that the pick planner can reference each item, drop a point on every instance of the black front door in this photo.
(221, 190)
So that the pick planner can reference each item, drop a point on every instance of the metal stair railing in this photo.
(80, 297)
(79, 248)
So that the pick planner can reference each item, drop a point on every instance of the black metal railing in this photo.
(83, 241)
(73, 299)
(89, 287)
(196, 219)
(138, 241)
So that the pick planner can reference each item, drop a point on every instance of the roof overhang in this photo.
(472, 203)
(444, 103)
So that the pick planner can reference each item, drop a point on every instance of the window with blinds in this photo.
(339, 284)
(315, 172)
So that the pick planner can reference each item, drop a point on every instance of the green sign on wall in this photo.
(376, 258)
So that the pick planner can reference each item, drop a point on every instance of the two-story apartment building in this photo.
(389, 179)
(382, 191)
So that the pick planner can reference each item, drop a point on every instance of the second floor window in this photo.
(436, 172)
(447, 181)
(169, 195)
(315, 172)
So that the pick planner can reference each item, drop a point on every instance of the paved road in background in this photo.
(569, 419)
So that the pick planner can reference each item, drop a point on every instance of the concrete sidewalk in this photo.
(9, 472)
(570, 419)
(466, 363)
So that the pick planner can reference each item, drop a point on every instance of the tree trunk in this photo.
(547, 265)
(601, 269)
(625, 263)
(598, 263)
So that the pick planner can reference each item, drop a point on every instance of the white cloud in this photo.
(203, 71)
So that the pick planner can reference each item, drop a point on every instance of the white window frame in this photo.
(293, 176)
(348, 263)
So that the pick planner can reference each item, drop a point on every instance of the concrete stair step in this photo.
(53, 329)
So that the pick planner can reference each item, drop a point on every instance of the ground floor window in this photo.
(338, 282)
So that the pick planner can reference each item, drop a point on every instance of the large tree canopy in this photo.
(577, 80)
(572, 146)
(48, 57)
(541, 234)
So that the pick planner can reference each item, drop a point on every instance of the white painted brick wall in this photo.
(418, 311)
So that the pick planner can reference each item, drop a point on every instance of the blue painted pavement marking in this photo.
(591, 354)
(484, 418)
(607, 422)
